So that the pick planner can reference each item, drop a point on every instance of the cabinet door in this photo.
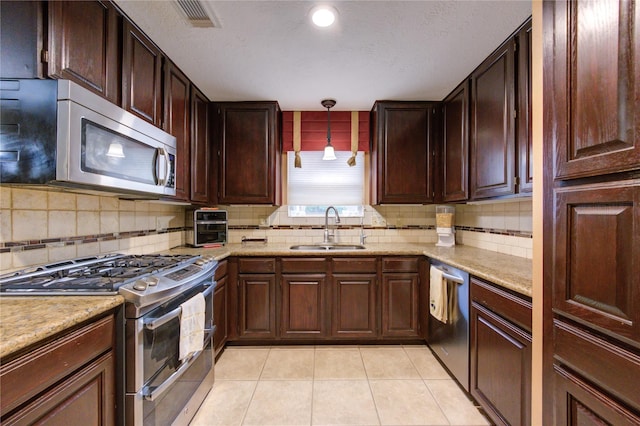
(257, 313)
(492, 144)
(220, 314)
(303, 306)
(83, 45)
(177, 121)
(500, 367)
(249, 146)
(141, 75)
(579, 403)
(22, 41)
(597, 273)
(402, 153)
(85, 398)
(354, 306)
(593, 79)
(400, 304)
(455, 153)
(523, 121)
(200, 152)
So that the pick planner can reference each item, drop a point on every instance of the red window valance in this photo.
(313, 130)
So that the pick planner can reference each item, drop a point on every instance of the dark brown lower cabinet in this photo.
(400, 280)
(354, 306)
(256, 310)
(70, 380)
(220, 314)
(303, 306)
(501, 354)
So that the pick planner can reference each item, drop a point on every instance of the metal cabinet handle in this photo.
(154, 323)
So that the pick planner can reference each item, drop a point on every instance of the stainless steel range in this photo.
(161, 387)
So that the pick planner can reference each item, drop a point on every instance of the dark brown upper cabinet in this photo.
(141, 75)
(249, 144)
(201, 157)
(402, 152)
(595, 88)
(523, 119)
(492, 136)
(177, 121)
(83, 45)
(455, 151)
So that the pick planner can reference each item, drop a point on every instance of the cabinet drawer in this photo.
(304, 265)
(354, 264)
(400, 264)
(587, 353)
(30, 374)
(514, 308)
(221, 270)
(257, 265)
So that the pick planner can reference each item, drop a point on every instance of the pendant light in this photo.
(329, 153)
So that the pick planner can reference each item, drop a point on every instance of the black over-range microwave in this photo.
(209, 227)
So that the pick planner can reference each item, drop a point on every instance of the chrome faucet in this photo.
(328, 236)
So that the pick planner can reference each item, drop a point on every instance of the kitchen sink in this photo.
(328, 247)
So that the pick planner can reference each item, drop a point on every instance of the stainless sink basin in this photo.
(327, 247)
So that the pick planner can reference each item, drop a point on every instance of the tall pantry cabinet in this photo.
(591, 212)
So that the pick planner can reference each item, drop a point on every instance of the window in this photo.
(319, 184)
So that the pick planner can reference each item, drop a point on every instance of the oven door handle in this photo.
(152, 393)
(154, 323)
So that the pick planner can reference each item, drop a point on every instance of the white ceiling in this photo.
(269, 50)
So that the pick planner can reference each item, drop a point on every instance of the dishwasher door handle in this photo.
(450, 277)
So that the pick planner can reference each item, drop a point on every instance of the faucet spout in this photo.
(328, 236)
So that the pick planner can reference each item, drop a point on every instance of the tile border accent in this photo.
(16, 246)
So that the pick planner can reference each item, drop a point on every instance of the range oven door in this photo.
(161, 390)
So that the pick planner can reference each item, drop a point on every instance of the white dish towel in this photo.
(192, 326)
(438, 298)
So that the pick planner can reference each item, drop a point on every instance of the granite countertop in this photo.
(512, 272)
(25, 321)
(30, 319)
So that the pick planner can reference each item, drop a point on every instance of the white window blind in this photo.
(324, 183)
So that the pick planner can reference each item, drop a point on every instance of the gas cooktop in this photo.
(96, 275)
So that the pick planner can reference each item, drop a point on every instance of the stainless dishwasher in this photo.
(450, 342)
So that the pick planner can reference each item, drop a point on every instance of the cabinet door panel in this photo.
(200, 151)
(578, 403)
(303, 306)
(455, 112)
(83, 44)
(525, 140)
(599, 53)
(141, 75)
(500, 367)
(597, 273)
(400, 304)
(220, 314)
(257, 314)
(354, 305)
(492, 131)
(177, 121)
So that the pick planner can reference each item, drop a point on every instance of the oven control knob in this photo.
(152, 281)
(140, 285)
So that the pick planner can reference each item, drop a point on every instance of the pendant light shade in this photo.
(329, 153)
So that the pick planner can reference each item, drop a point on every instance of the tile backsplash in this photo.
(39, 226)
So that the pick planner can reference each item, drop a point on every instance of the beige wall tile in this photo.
(29, 224)
(28, 199)
(127, 221)
(88, 202)
(62, 252)
(62, 201)
(5, 197)
(62, 224)
(110, 246)
(109, 222)
(88, 223)
(22, 259)
(5, 225)
(88, 249)
(109, 203)
(6, 262)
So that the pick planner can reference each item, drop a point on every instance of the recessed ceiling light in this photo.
(323, 16)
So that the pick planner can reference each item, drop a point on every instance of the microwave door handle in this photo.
(162, 181)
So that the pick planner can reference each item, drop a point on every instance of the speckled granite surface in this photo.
(512, 272)
(27, 320)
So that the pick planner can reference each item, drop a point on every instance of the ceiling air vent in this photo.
(195, 13)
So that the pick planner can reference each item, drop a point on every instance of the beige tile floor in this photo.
(334, 385)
